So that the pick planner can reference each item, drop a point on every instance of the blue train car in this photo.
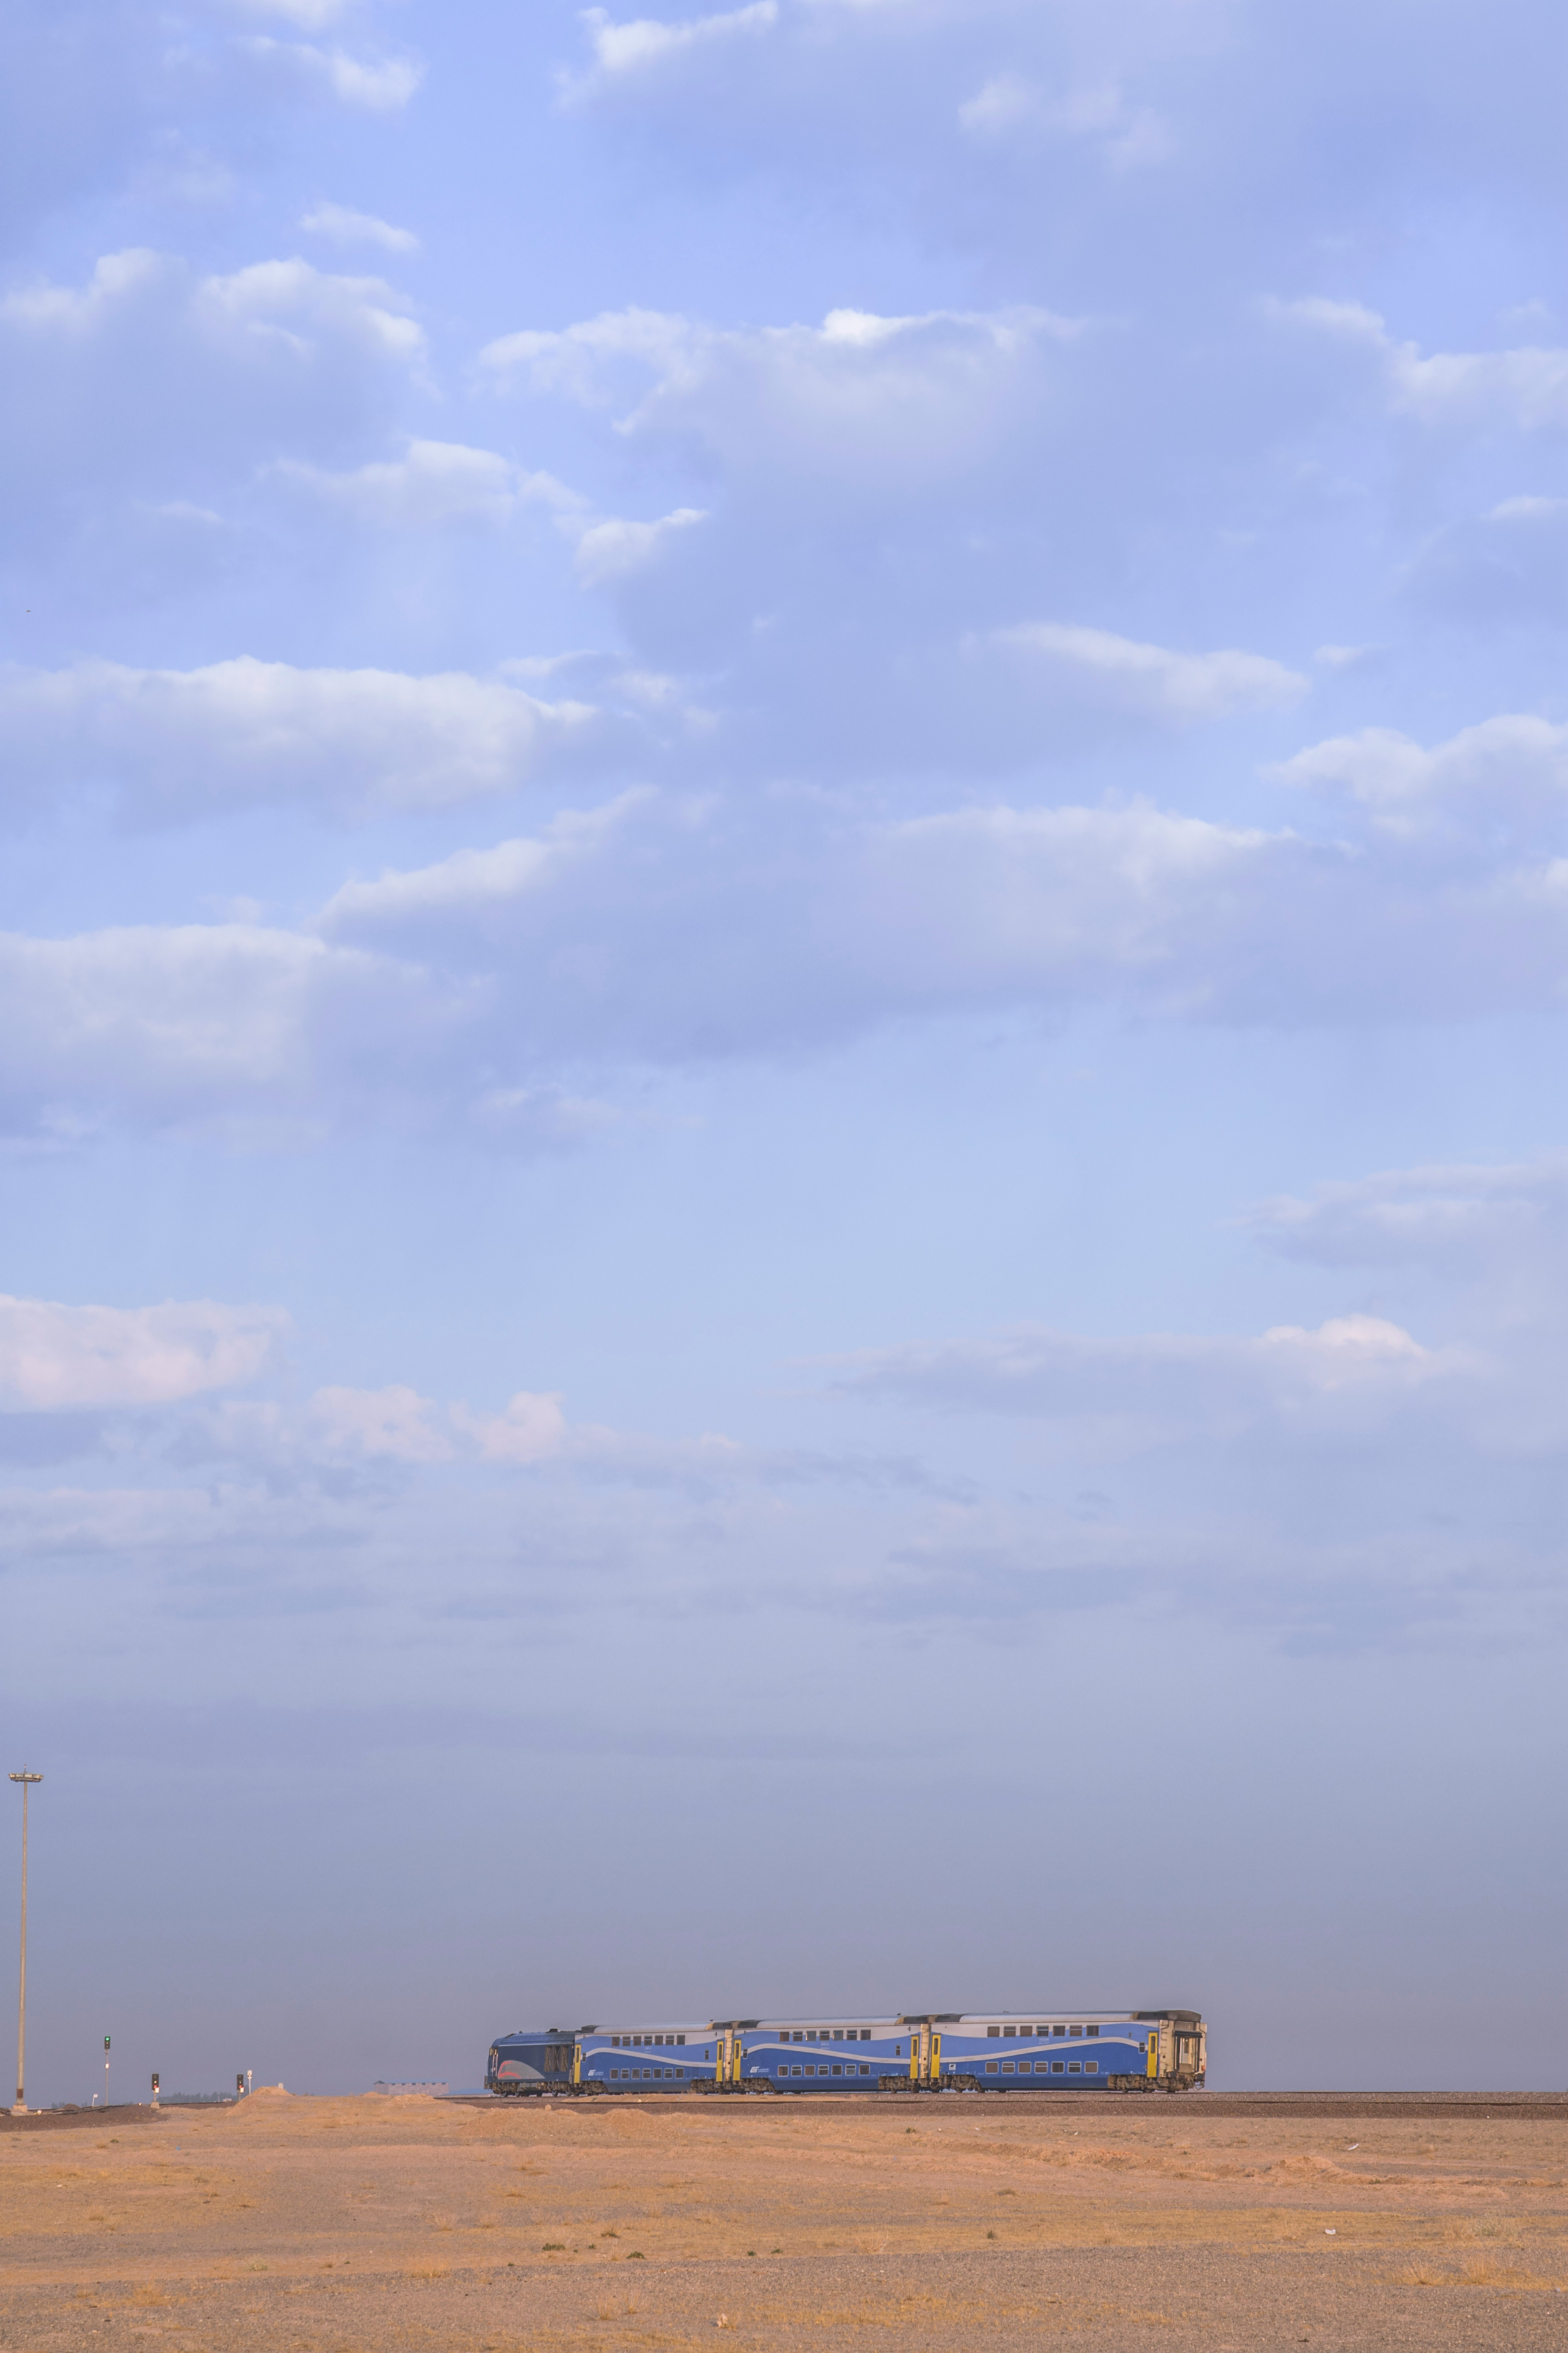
(933, 2050)
(603, 2058)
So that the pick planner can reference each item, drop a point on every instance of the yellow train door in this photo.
(1153, 2051)
(936, 2059)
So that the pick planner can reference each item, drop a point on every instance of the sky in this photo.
(784, 914)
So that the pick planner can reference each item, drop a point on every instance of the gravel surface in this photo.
(287, 2225)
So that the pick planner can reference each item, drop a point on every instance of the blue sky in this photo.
(784, 918)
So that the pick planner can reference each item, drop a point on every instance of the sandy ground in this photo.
(342, 2224)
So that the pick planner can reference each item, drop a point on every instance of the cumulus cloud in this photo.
(189, 743)
(432, 484)
(226, 1027)
(642, 42)
(472, 881)
(1504, 780)
(1009, 104)
(1460, 1219)
(881, 403)
(606, 931)
(381, 85)
(54, 1356)
(614, 549)
(286, 305)
(1526, 388)
(340, 224)
(1153, 680)
(1156, 1385)
(652, 930)
(397, 1424)
(146, 382)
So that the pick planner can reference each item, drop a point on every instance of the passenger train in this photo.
(933, 2050)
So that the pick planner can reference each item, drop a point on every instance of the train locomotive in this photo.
(931, 2051)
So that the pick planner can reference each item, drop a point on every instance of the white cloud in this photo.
(1526, 388)
(342, 226)
(1152, 1389)
(184, 743)
(1459, 1218)
(1174, 687)
(281, 307)
(872, 402)
(293, 301)
(665, 930)
(643, 42)
(229, 1028)
(118, 279)
(530, 1428)
(472, 881)
(380, 85)
(1128, 135)
(397, 1424)
(433, 483)
(1503, 780)
(307, 16)
(54, 1356)
(616, 549)
(285, 303)
(1003, 899)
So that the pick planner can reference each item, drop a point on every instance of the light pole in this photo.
(27, 1781)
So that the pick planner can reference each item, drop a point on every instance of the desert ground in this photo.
(339, 2224)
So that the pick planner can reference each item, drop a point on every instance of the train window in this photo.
(865, 2034)
(864, 2070)
(1058, 2030)
(1011, 2030)
(1026, 2029)
(1057, 2066)
(1073, 2067)
(991, 2066)
(838, 2034)
(811, 2033)
(839, 2071)
(994, 2032)
(1091, 2030)
(1006, 2066)
(1091, 2066)
(810, 2069)
(680, 2039)
(1075, 2030)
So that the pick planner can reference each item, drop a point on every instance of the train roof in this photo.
(888, 2019)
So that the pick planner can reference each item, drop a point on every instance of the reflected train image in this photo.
(929, 2052)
